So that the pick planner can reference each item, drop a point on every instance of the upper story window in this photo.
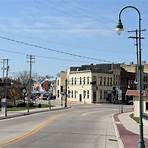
(111, 82)
(80, 80)
(68, 94)
(71, 81)
(104, 81)
(100, 81)
(107, 81)
(87, 80)
(87, 94)
(61, 89)
(72, 94)
(84, 80)
(58, 94)
(84, 93)
(100, 94)
(75, 80)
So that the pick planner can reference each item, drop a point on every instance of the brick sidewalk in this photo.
(129, 139)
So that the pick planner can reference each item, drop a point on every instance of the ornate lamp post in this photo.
(119, 29)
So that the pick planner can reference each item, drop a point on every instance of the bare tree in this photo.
(23, 77)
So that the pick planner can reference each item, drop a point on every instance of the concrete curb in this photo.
(120, 143)
(32, 112)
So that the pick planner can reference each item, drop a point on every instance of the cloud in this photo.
(55, 24)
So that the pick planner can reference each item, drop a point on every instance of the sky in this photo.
(78, 27)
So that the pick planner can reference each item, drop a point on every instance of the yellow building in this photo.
(89, 83)
(60, 85)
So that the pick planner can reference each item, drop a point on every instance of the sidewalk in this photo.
(128, 131)
(56, 103)
(12, 114)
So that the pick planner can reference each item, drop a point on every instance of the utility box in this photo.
(3, 106)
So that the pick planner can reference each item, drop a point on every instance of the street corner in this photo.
(126, 138)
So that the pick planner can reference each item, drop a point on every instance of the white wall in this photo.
(136, 106)
(79, 88)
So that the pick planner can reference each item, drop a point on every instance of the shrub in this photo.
(134, 118)
(23, 104)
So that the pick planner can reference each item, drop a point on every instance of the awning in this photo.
(135, 93)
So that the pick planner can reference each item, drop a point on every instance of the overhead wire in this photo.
(51, 49)
(39, 56)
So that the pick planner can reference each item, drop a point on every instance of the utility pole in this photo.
(136, 44)
(4, 81)
(4, 61)
(6, 89)
(3, 68)
(65, 93)
(31, 59)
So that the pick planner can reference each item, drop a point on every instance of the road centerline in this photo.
(32, 131)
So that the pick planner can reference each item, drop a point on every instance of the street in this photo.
(88, 126)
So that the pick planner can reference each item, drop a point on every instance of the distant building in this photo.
(89, 83)
(60, 84)
(129, 80)
(88, 86)
(98, 83)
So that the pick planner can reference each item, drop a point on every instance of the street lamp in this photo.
(119, 29)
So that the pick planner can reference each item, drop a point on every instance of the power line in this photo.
(39, 56)
(49, 49)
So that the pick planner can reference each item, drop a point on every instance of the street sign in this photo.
(119, 91)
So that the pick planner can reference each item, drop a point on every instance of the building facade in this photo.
(79, 86)
(89, 83)
(60, 85)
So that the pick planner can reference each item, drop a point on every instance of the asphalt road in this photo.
(82, 126)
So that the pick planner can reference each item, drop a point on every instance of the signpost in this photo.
(119, 91)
